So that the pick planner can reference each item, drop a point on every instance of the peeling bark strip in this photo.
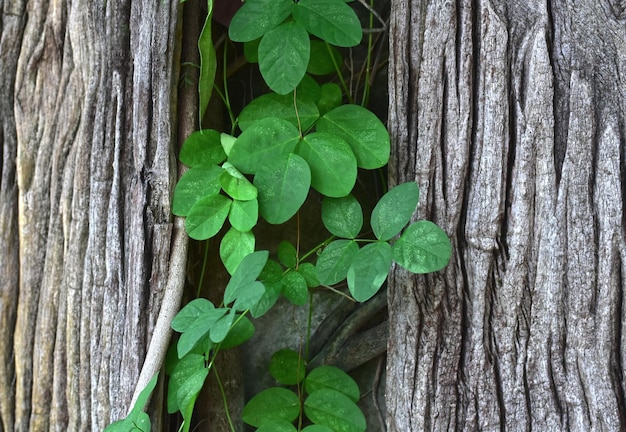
(86, 114)
(511, 116)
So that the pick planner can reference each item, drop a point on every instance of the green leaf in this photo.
(277, 426)
(287, 254)
(362, 130)
(227, 142)
(317, 428)
(207, 216)
(191, 313)
(330, 20)
(236, 185)
(257, 17)
(234, 247)
(342, 217)
(394, 210)
(283, 187)
(202, 148)
(271, 405)
(331, 377)
(220, 329)
(333, 165)
(283, 56)
(244, 215)
(308, 89)
(251, 50)
(208, 62)
(195, 321)
(282, 107)
(369, 270)
(287, 367)
(185, 384)
(333, 409)
(422, 248)
(271, 276)
(249, 269)
(136, 419)
(295, 289)
(330, 98)
(250, 296)
(322, 55)
(239, 333)
(262, 143)
(196, 183)
(334, 261)
(309, 273)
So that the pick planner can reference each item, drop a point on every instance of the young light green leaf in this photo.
(236, 185)
(287, 367)
(342, 217)
(283, 56)
(207, 216)
(263, 143)
(334, 261)
(295, 289)
(334, 409)
(234, 247)
(369, 270)
(249, 296)
(331, 377)
(240, 332)
(422, 248)
(287, 254)
(185, 384)
(244, 215)
(323, 58)
(362, 130)
(202, 148)
(270, 405)
(333, 165)
(278, 426)
(220, 329)
(282, 107)
(227, 142)
(309, 273)
(249, 269)
(283, 187)
(196, 183)
(394, 210)
(208, 63)
(257, 17)
(330, 20)
(330, 98)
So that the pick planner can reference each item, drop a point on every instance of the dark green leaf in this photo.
(271, 405)
(287, 254)
(190, 313)
(330, 20)
(249, 269)
(208, 63)
(322, 55)
(394, 210)
(196, 183)
(362, 130)
(202, 148)
(220, 329)
(263, 143)
(234, 247)
(333, 409)
(196, 331)
(317, 428)
(330, 377)
(251, 50)
(239, 333)
(308, 89)
(207, 216)
(257, 17)
(330, 98)
(369, 270)
(283, 187)
(295, 289)
(244, 214)
(235, 184)
(282, 107)
(334, 261)
(277, 426)
(332, 162)
(309, 273)
(342, 217)
(287, 367)
(249, 296)
(422, 248)
(272, 292)
(283, 56)
(185, 384)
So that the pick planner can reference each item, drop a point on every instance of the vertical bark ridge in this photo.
(528, 123)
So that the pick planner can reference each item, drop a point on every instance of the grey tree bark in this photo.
(511, 116)
(87, 108)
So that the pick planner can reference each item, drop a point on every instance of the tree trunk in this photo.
(87, 105)
(511, 116)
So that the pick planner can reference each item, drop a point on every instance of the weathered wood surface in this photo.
(511, 116)
(87, 111)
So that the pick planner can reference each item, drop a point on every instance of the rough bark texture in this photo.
(86, 107)
(511, 116)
